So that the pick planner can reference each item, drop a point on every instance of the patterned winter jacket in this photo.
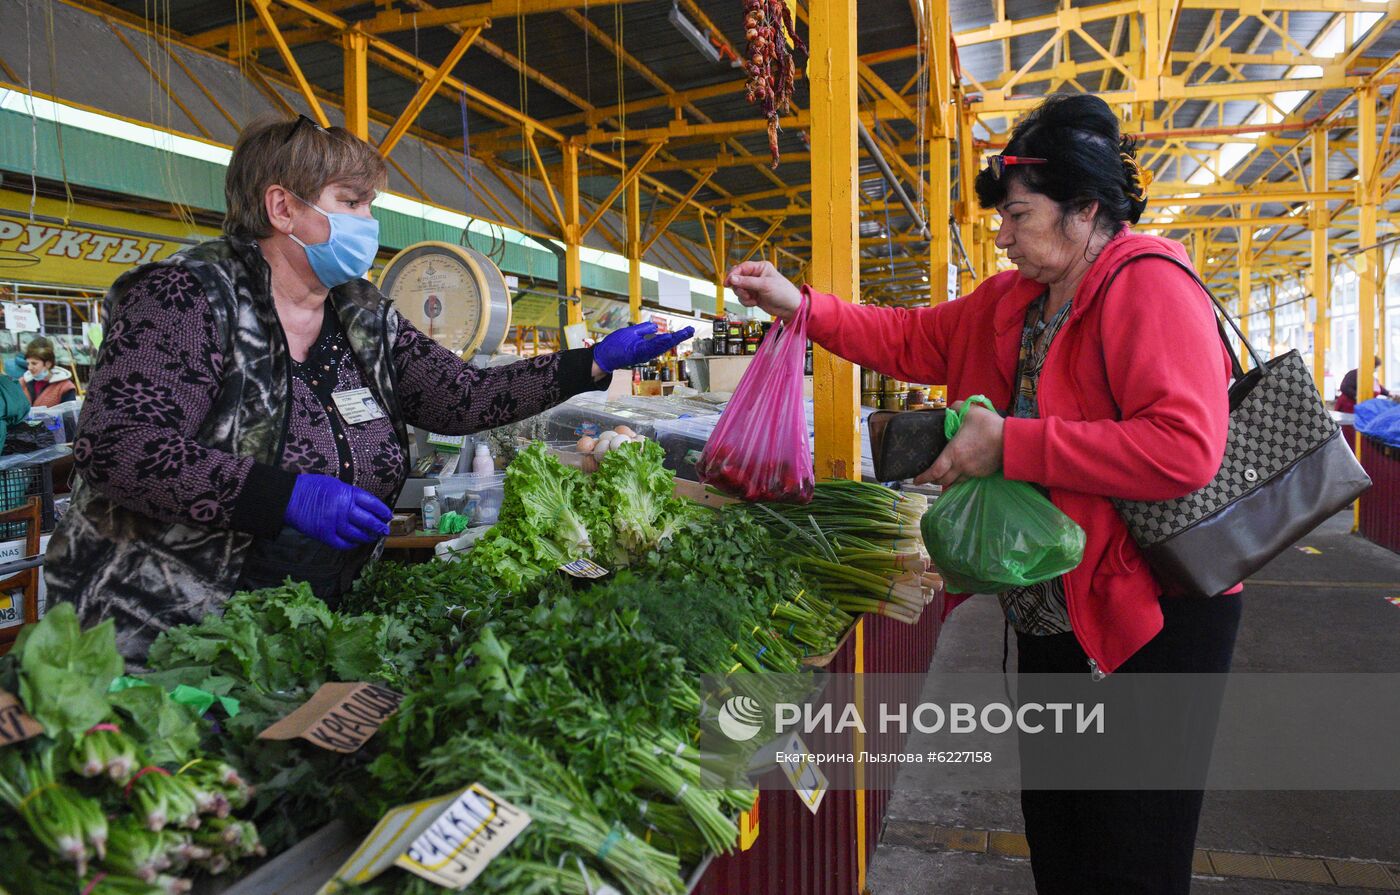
(166, 506)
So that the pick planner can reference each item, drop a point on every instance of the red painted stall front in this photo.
(1380, 506)
(798, 853)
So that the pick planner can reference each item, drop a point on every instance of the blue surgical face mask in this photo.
(41, 375)
(349, 251)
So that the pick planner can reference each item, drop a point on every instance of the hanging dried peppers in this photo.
(772, 71)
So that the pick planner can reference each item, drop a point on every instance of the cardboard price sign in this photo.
(15, 724)
(474, 829)
(806, 778)
(387, 841)
(341, 717)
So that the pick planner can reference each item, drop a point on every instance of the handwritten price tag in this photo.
(341, 717)
(15, 724)
(465, 838)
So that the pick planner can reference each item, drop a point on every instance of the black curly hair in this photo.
(1089, 161)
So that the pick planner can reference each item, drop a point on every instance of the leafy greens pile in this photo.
(112, 797)
(553, 514)
(577, 701)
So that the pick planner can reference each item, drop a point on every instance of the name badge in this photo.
(357, 405)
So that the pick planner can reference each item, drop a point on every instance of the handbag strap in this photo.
(1235, 367)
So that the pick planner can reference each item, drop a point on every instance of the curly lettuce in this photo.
(542, 523)
(635, 495)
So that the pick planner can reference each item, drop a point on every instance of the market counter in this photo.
(795, 853)
(1380, 505)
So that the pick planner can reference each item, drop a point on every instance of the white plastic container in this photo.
(482, 461)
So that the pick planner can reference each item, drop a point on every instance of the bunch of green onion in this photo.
(811, 621)
(104, 749)
(860, 542)
(65, 822)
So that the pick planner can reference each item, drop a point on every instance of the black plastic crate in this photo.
(17, 485)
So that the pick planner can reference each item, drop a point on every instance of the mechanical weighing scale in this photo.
(458, 297)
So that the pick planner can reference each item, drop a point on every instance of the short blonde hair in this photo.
(300, 156)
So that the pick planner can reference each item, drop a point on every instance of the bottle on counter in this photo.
(720, 338)
(736, 338)
(807, 361)
(432, 508)
(482, 461)
(753, 335)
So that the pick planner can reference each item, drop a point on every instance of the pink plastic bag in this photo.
(759, 449)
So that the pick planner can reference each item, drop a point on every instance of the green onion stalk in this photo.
(134, 851)
(104, 749)
(67, 824)
(161, 798)
(863, 509)
(116, 884)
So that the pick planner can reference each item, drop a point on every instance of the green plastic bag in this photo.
(989, 535)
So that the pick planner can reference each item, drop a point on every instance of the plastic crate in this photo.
(17, 485)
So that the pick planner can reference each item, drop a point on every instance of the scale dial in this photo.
(453, 294)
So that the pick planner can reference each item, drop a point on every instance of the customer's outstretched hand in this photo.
(758, 284)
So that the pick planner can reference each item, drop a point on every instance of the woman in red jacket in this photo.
(1113, 382)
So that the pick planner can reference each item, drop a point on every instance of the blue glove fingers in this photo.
(366, 522)
(351, 533)
(376, 508)
(661, 344)
(641, 329)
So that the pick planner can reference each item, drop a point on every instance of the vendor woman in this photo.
(215, 452)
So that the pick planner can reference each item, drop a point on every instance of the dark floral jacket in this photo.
(183, 453)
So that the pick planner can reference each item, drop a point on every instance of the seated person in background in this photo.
(44, 384)
(1346, 394)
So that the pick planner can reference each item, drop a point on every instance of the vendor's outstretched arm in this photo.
(442, 393)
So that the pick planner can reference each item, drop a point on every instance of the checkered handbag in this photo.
(1286, 469)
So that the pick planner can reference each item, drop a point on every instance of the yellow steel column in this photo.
(573, 263)
(989, 247)
(969, 161)
(773, 255)
(634, 249)
(721, 262)
(835, 241)
(941, 122)
(356, 46)
(1321, 271)
(1369, 261)
(1246, 250)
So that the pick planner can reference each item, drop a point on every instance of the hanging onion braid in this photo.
(1139, 178)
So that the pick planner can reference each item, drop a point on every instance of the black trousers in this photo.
(1128, 842)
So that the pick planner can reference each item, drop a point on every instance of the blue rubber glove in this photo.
(337, 514)
(636, 344)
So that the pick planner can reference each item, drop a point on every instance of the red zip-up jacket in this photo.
(1133, 404)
